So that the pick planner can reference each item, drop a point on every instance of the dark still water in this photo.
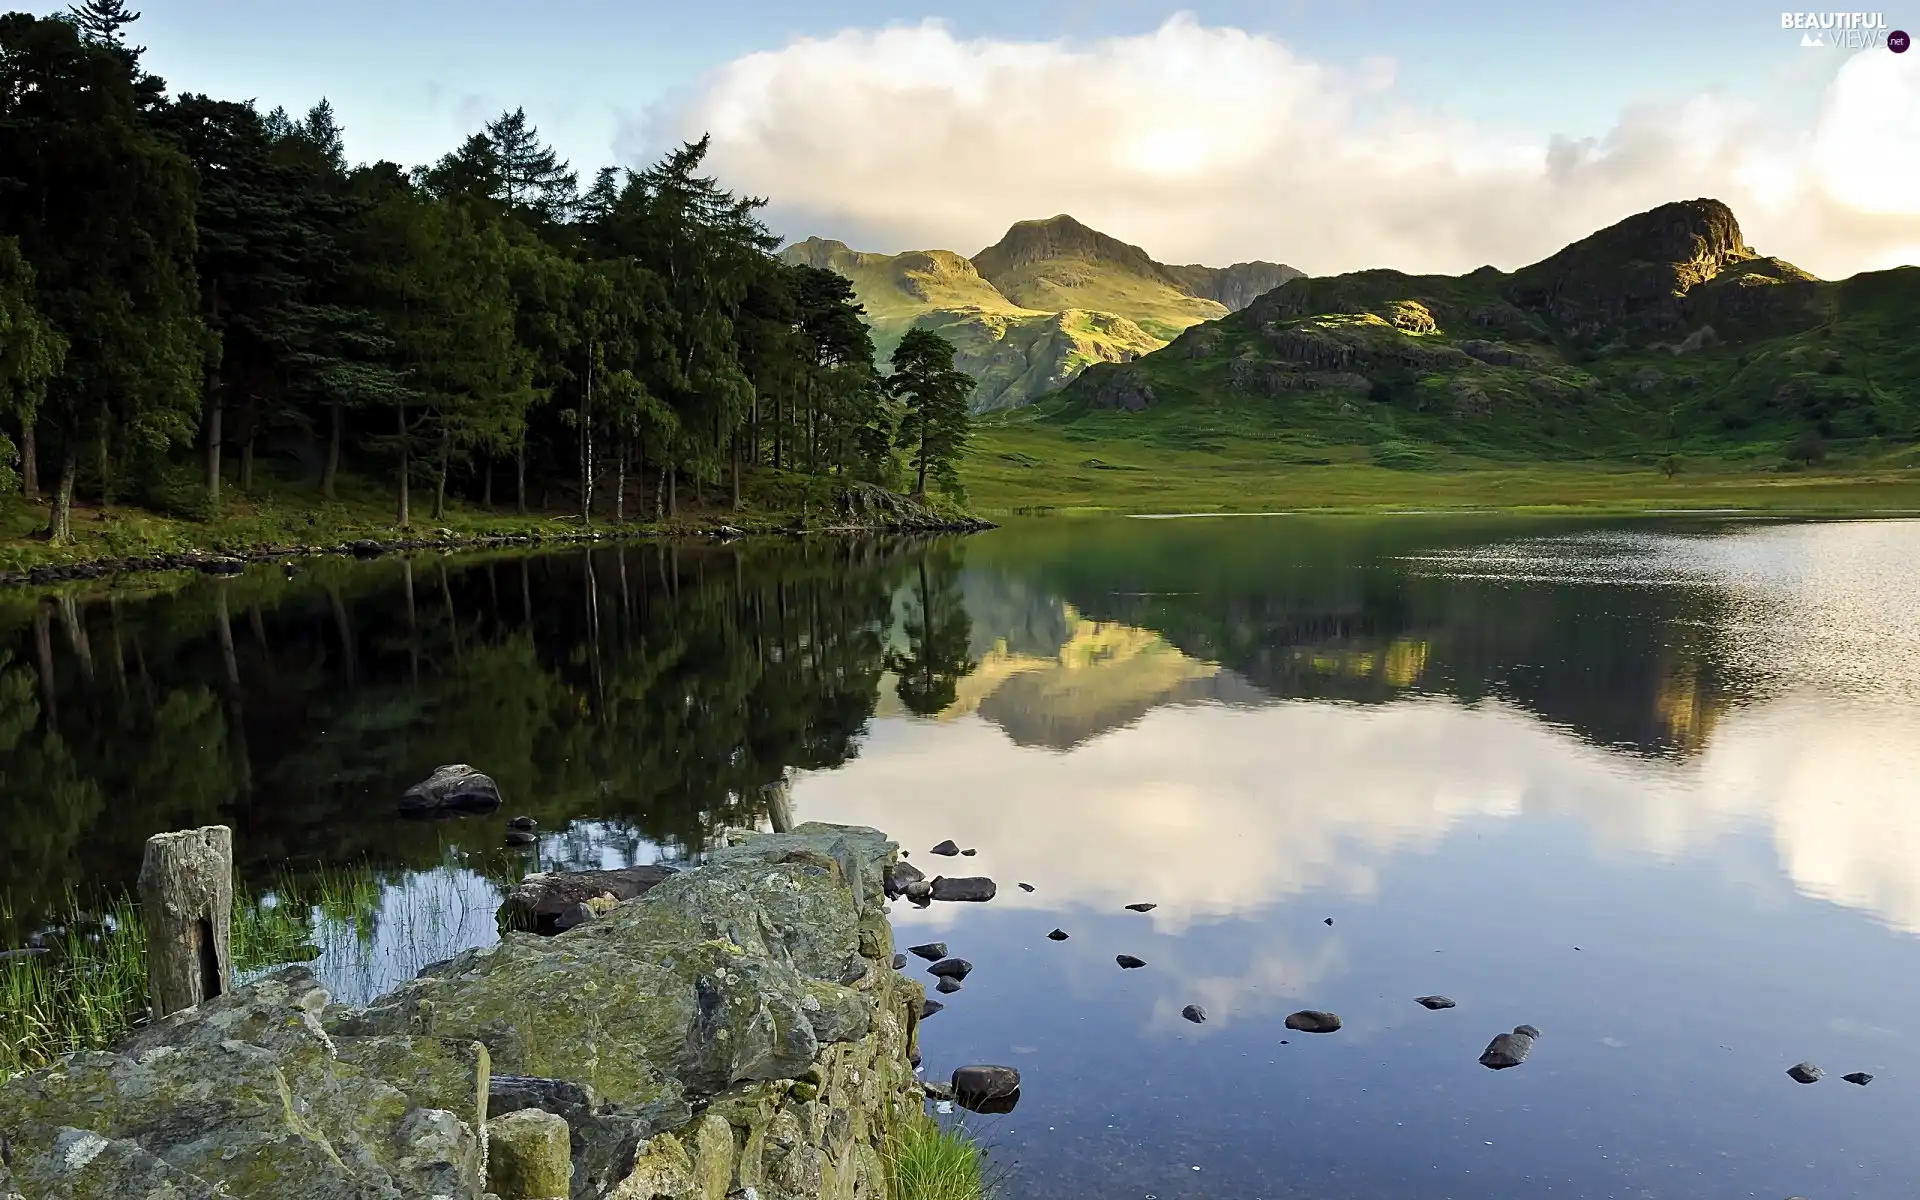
(1651, 787)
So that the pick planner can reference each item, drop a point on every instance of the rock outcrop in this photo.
(736, 1029)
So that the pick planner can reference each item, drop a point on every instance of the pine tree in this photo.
(532, 177)
(933, 423)
(102, 20)
(31, 354)
(322, 131)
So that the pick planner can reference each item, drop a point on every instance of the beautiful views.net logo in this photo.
(1845, 30)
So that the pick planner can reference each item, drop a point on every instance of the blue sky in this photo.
(1684, 90)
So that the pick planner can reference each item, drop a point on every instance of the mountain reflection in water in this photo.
(1653, 786)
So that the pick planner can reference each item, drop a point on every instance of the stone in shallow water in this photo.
(523, 823)
(453, 788)
(521, 837)
(528, 1156)
(1433, 1002)
(1058, 935)
(1129, 962)
(1861, 1078)
(1026, 887)
(572, 916)
(919, 891)
(1142, 907)
(973, 888)
(1527, 1031)
(981, 1082)
(947, 986)
(931, 951)
(947, 849)
(901, 876)
(1805, 1072)
(1194, 1013)
(951, 968)
(1507, 1050)
(537, 901)
(929, 1008)
(899, 962)
(969, 852)
(1312, 1020)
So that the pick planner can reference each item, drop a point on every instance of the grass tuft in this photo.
(930, 1161)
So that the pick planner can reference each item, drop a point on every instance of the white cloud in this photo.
(1216, 145)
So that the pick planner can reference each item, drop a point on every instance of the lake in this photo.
(1652, 787)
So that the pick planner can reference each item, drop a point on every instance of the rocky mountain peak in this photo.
(1062, 237)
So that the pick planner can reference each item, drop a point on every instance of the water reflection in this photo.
(1651, 786)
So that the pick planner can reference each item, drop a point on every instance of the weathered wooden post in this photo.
(186, 899)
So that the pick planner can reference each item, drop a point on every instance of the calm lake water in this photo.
(1652, 787)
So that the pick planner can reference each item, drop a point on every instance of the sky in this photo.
(1329, 134)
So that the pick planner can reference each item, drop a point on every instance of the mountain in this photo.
(1029, 313)
(1662, 334)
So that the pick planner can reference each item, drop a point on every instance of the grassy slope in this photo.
(1114, 465)
(1062, 283)
(1566, 383)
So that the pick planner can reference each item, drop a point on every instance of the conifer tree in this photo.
(933, 421)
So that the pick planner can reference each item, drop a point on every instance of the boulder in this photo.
(931, 951)
(1509, 1049)
(536, 902)
(975, 889)
(451, 789)
(982, 1082)
(951, 968)
(1312, 1020)
(900, 876)
(947, 987)
(529, 1156)
(1806, 1072)
(1194, 1013)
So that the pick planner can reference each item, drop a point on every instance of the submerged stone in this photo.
(1508, 1049)
(1312, 1020)
(1861, 1078)
(1805, 1072)
(973, 889)
(453, 788)
(1433, 1002)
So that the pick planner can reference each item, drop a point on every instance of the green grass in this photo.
(1117, 462)
(286, 512)
(930, 1161)
(90, 989)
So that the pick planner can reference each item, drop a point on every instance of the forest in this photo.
(189, 286)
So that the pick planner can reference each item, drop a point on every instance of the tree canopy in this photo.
(189, 286)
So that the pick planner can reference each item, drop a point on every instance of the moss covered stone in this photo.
(529, 1156)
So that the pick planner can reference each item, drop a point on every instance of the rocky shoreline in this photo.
(738, 1030)
(233, 563)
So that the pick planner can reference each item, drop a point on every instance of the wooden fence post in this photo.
(186, 899)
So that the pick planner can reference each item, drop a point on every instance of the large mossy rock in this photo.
(243, 1096)
(755, 991)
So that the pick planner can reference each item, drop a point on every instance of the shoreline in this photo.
(233, 562)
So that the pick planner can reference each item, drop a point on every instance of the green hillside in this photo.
(1029, 313)
(1662, 338)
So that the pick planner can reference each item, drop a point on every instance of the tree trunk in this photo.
(216, 419)
(736, 473)
(186, 900)
(29, 460)
(486, 488)
(60, 525)
(106, 467)
(659, 494)
(440, 482)
(520, 477)
(620, 486)
(250, 425)
(673, 489)
(332, 471)
(405, 466)
(779, 428)
(920, 485)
